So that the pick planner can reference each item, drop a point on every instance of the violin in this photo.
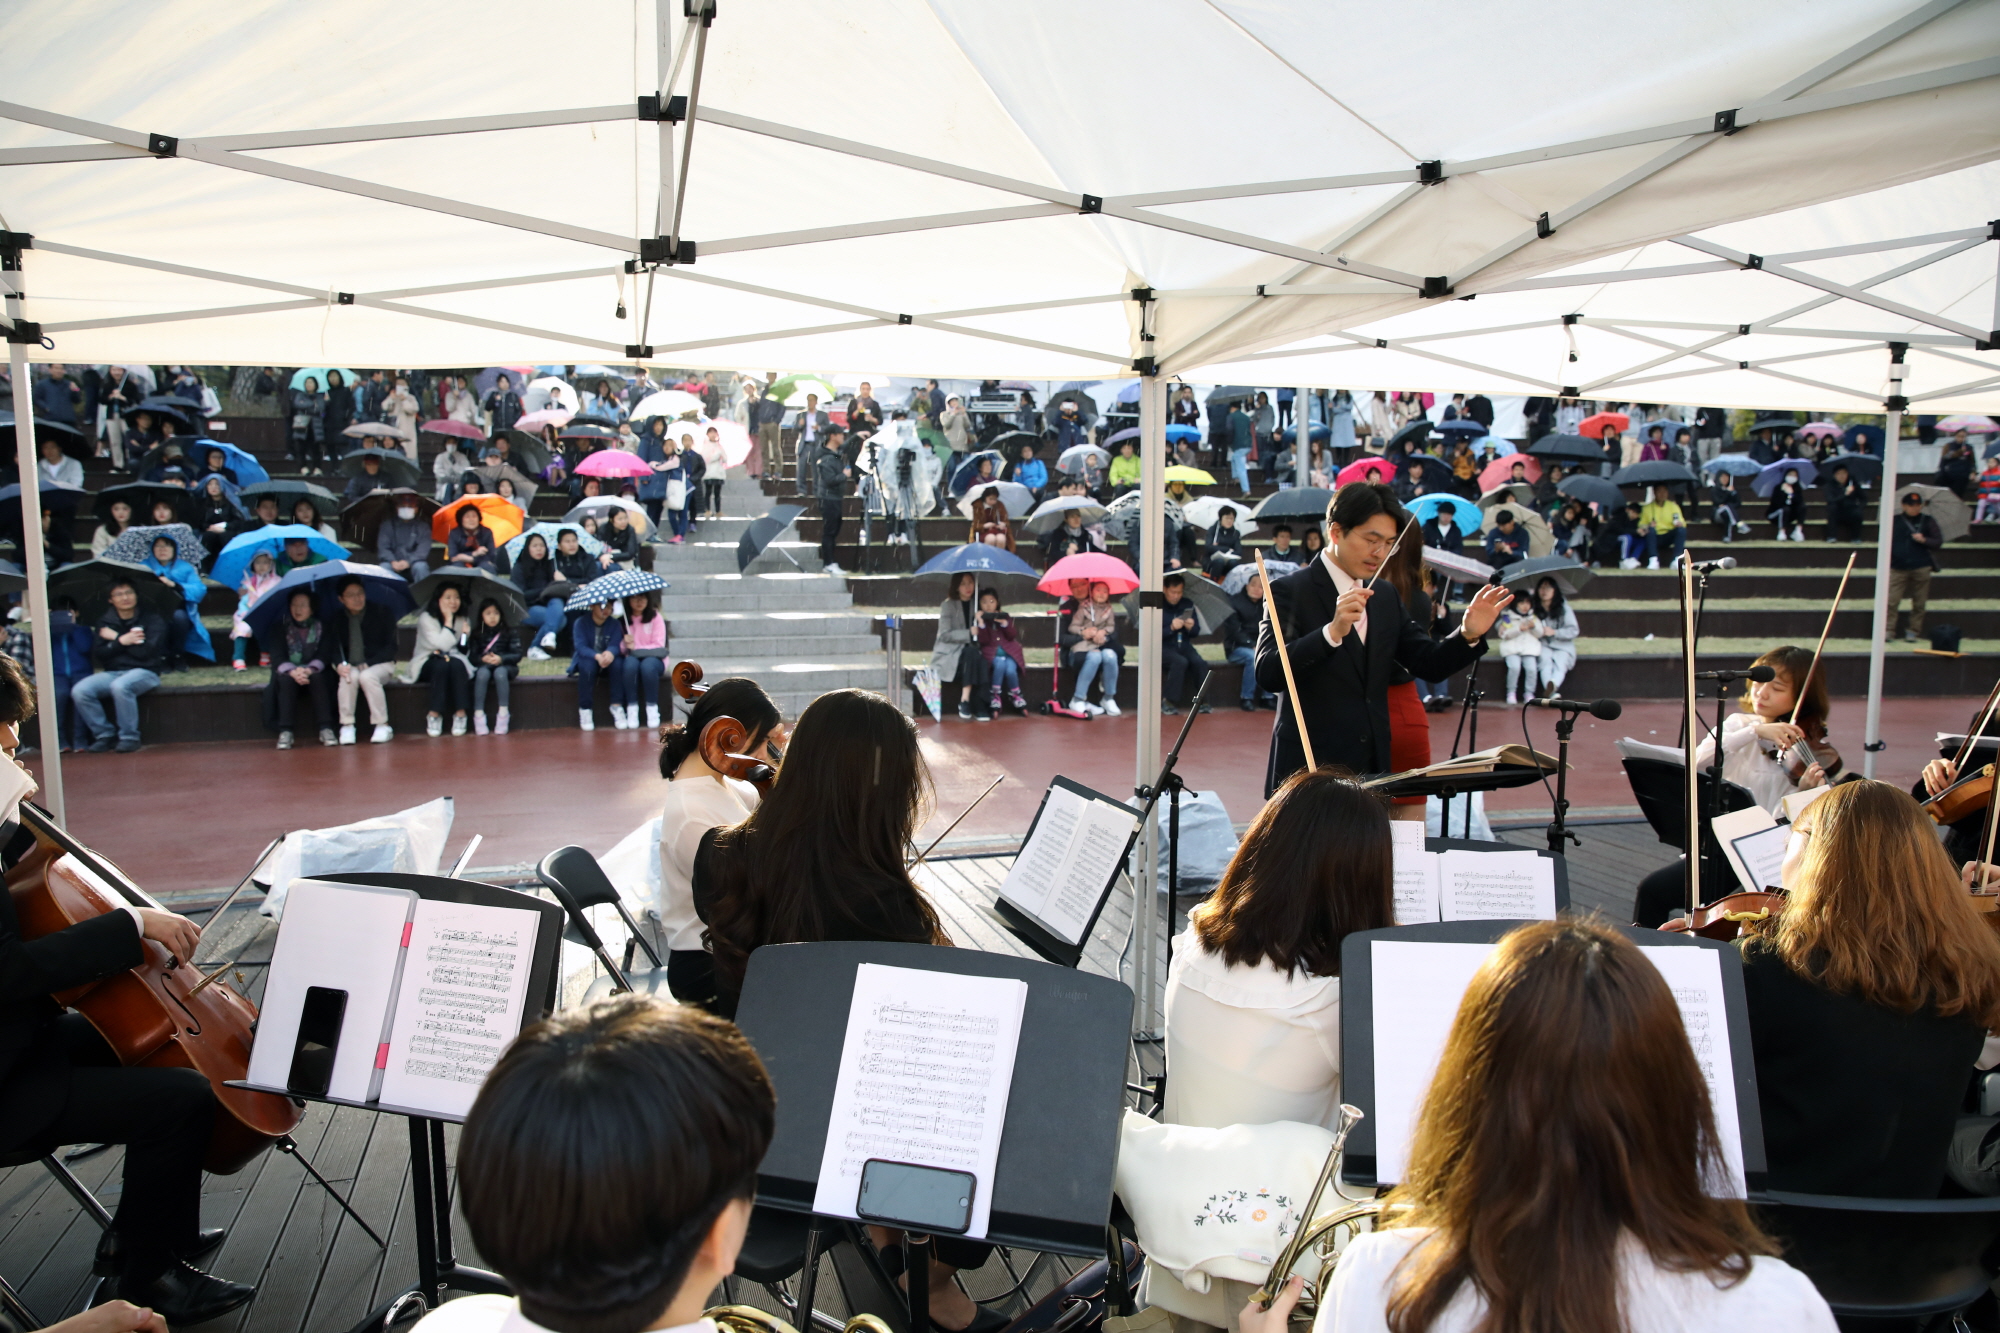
(1968, 796)
(1732, 916)
(1805, 754)
(722, 740)
(158, 1013)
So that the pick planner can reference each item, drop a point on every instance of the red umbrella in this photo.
(1501, 470)
(614, 463)
(1593, 428)
(446, 426)
(1092, 565)
(1367, 469)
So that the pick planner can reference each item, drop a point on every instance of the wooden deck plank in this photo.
(265, 1208)
(354, 1264)
(292, 1274)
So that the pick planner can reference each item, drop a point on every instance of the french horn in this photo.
(750, 1319)
(1320, 1235)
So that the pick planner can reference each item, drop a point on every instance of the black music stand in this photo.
(1052, 1182)
(1038, 935)
(1447, 787)
(438, 1269)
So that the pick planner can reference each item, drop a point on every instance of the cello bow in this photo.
(1285, 661)
(1688, 741)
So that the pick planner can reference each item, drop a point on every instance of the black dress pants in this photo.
(1180, 665)
(162, 1116)
(829, 530)
(318, 688)
(450, 682)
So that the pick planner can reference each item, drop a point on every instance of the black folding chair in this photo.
(1913, 1260)
(579, 883)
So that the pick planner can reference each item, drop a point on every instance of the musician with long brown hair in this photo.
(1756, 741)
(1870, 998)
(1557, 1175)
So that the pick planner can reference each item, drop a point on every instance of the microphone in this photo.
(1757, 674)
(1714, 566)
(1604, 710)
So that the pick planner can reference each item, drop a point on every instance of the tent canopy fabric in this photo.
(338, 209)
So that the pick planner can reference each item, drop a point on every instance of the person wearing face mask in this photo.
(403, 542)
(1788, 508)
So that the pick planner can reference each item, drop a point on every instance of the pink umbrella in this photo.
(1813, 429)
(1501, 470)
(734, 444)
(1368, 469)
(445, 426)
(614, 463)
(1973, 425)
(548, 416)
(1093, 565)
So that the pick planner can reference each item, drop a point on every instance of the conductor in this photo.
(1344, 632)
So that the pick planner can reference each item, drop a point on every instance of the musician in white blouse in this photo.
(1253, 994)
(698, 799)
(1757, 742)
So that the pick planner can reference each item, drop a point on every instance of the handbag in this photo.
(676, 493)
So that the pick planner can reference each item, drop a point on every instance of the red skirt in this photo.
(1409, 733)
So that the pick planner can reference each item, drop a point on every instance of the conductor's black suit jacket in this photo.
(1344, 690)
(34, 1071)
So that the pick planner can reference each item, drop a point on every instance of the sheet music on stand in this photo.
(1067, 865)
(1453, 879)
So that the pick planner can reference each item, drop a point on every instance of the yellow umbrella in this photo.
(1193, 476)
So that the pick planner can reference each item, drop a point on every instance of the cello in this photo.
(160, 1013)
(721, 741)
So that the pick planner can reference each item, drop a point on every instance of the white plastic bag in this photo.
(411, 841)
(1482, 831)
(1208, 840)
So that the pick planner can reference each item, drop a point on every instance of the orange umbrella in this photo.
(1501, 470)
(501, 515)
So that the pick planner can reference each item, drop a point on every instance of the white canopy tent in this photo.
(954, 187)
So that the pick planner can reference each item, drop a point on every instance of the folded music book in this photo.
(1479, 761)
(1067, 864)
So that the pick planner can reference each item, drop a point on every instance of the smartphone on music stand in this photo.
(922, 1198)
(318, 1041)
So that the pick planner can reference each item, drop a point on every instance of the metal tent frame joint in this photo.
(1146, 365)
(28, 333)
(665, 250)
(12, 243)
(673, 113)
(1435, 287)
(905, 319)
(163, 145)
(343, 298)
(1430, 173)
(1725, 121)
(639, 351)
(1543, 228)
(1091, 203)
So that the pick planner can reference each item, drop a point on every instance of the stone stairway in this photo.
(784, 622)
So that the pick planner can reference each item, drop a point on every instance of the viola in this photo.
(1732, 916)
(158, 1013)
(722, 740)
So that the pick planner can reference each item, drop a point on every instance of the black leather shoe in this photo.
(183, 1295)
(205, 1243)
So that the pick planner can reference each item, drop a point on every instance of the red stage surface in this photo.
(187, 817)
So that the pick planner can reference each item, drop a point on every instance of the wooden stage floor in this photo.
(317, 1271)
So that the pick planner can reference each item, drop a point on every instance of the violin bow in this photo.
(1285, 661)
(1965, 746)
(1693, 721)
(1800, 701)
(955, 823)
(1992, 825)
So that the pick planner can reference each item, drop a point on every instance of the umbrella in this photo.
(487, 380)
(474, 586)
(68, 436)
(614, 588)
(1653, 473)
(1365, 469)
(531, 424)
(363, 519)
(136, 543)
(597, 373)
(161, 405)
(1593, 427)
(1501, 471)
(1192, 434)
(1570, 576)
(464, 430)
(320, 373)
(1467, 515)
(549, 532)
(1865, 439)
(1568, 448)
(1009, 443)
(1409, 438)
(1238, 578)
(1095, 566)
(87, 583)
(1971, 425)
(491, 477)
(1736, 465)
(729, 449)
(1052, 514)
(1768, 479)
(1017, 499)
(362, 430)
(1457, 568)
(1864, 468)
(60, 501)
(1086, 406)
(1461, 426)
(504, 518)
(239, 460)
(1433, 474)
(1507, 492)
(599, 507)
(1210, 600)
(1114, 439)
(1207, 511)
(549, 392)
(383, 587)
(238, 552)
(968, 471)
(1320, 433)
(791, 390)
(762, 531)
(1077, 456)
(1298, 502)
(1541, 541)
(531, 453)
(1953, 515)
(142, 495)
(668, 403)
(289, 493)
(396, 465)
(1773, 423)
(586, 428)
(1819, 429)
(1594, 490)
(614, 463)
(11, 577)
(1192, 476)
(1121, 520)
(992, 566)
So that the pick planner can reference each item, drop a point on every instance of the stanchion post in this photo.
(1152, 557)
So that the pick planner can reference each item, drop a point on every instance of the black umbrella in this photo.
(360, 521)
(160, 405)
(1773, 423)
(88, 584)
(1657, 472)
(525, 451)
(1086, 407)
(1296, 503)
(1570, 576)
(1437, 475)
(1864, 468)
(1229, 393)
(1411, 437)
(761, 532)
(1009, 444)
(474, 586)
(11, 577)
(141, 495)
(289, 493)
(68, 436)
(1211, 604)
(587, 430)
(1591, 490)
(1573, 448)
(396, 465)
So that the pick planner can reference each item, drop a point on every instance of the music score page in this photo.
(461, 1000)
(925, 1073)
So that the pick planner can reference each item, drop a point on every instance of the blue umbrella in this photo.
(1320, 433)
(1186, 435)
(1465, 426)
(961, 480)
(242, 549)
(1463, 512)
(614, 588)
(319, 373)
(243, 463)
(384, 588)
(1736, 465)
(1768, 479)
(550, 531)
(1130, 393)
(1500, 447)
(987, 564)
(1865, 439)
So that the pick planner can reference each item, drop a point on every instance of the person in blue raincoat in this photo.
(654, 450)
(189, 635)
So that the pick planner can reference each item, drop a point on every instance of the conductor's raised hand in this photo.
(1485, 608)
(1348, 612)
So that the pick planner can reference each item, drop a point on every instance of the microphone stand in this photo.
(1170, 784)
(1468, 712)
(1559, 831)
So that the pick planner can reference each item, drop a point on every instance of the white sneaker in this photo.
(832, 568)
(1798, 534)
(1091, 709)
(1652, 563)
(434, 725)
(584, 721)
(382, 733)
(1512, 699)
(536, 654)
(548, 640)
(1628, 564)
(458, 724)
(652, 717)
(347, 733)
(1111, 708)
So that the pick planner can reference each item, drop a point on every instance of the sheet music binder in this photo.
(1475, 845)
(1041, 936)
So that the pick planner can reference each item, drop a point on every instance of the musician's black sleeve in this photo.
(1434, 659)
(85, 952)
(1306, 645)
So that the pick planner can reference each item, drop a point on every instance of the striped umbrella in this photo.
(614, 588)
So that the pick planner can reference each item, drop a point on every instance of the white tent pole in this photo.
(1301, 435)
(1885, 520)
(33, 560)
(180, 316)
(669, 70)
(1152, 566)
